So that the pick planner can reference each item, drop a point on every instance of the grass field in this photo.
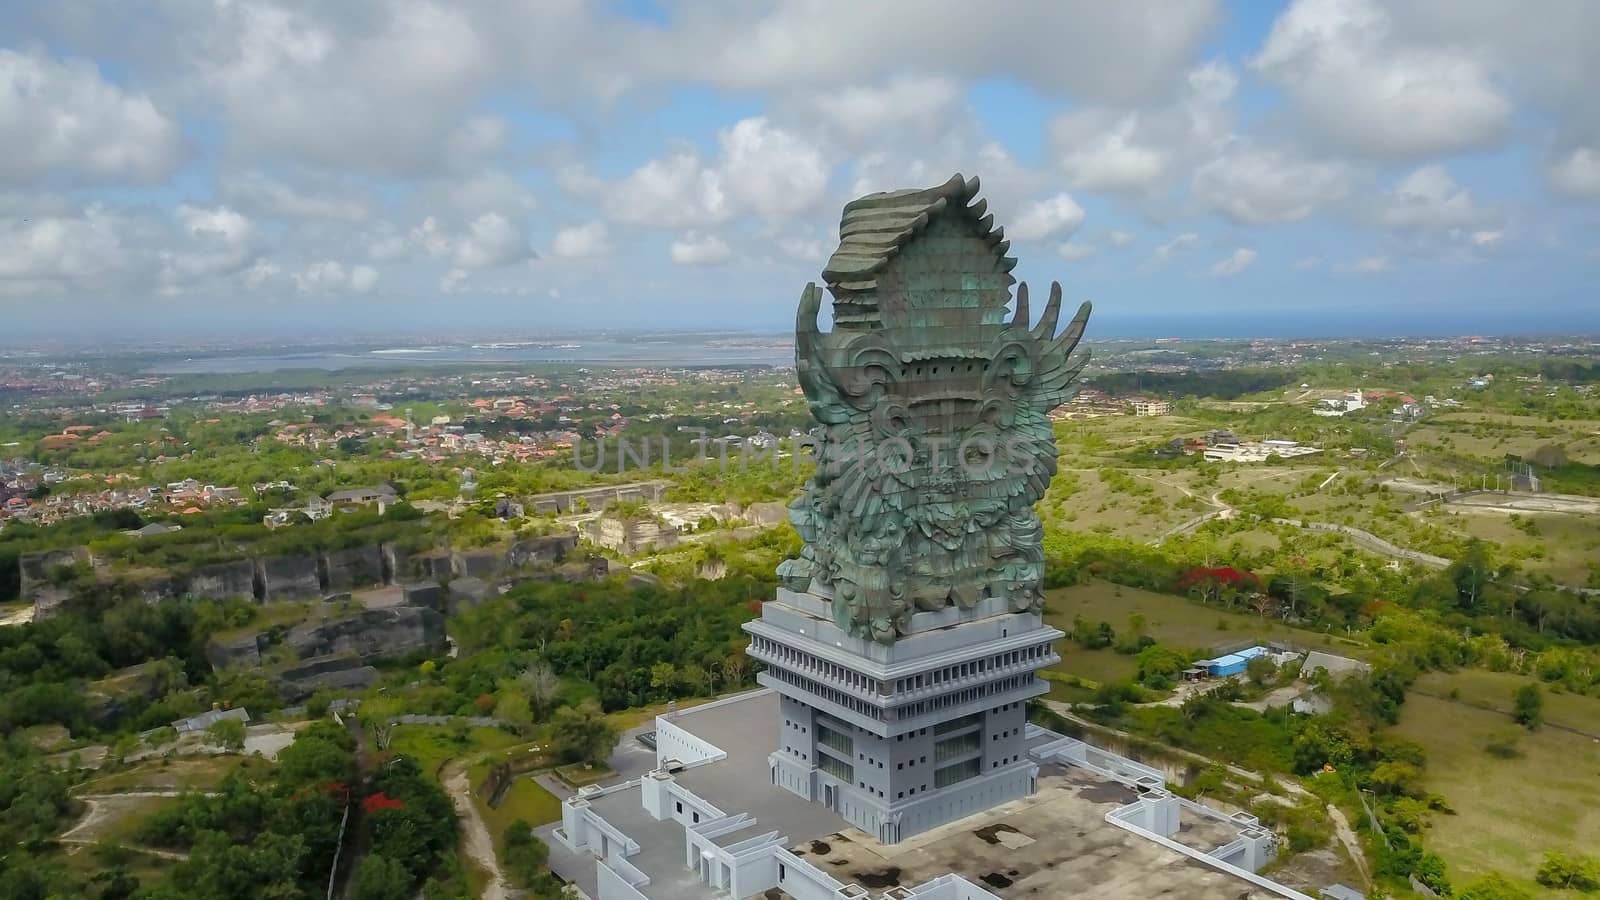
(527, 800)
(432, 745)
(1562, 546)
(1508, 812)
(182, 773)
(1480, 687)
(1172, 620)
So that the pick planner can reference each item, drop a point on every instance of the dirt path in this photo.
(102, 807)
(475, 834)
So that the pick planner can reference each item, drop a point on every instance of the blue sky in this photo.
(1198, 167)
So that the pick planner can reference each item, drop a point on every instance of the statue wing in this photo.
(1058, 367)
(823, 393)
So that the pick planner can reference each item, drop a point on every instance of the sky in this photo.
(1195, 167)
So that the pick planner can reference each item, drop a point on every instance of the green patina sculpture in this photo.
(933, 439)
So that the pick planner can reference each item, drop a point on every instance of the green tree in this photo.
(1528, 706)
(1260, 670)
(1578, 873)
(1160, 660)
(382, 878)
(582, 734)
(227, 734)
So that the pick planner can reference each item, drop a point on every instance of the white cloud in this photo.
(769, 171)
(1576, 173)
(857, 115)
(1429, 199)
(62, 118)
(214, 241)
(1370, 265)
(324, 87)
(1163, 253)
(1308, 264)
(1104, 149)
(453, 281)
(1075, 252)
(1077, 47)
(363, 278)
(761, 169)
(670, 192)
(1234, 263)
(1119, 238)
(695, 249)
(1259, 187)
(491, 240)
(1360, 85)
(54, 253)
(330, 276)
(579, 241)
(802, 249)
(1047, 218)
(265, 195)
(489, 191)
(1110, 159)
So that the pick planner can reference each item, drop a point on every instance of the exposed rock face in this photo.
(156, 586)
(427, 594)
(37, 571)
(541, 551)
(468, 591)
(244, 650)
(433, 565)
(630, 536)
(339, 672)
(353, 568)
(220, 581)
(475, 563)
(766, 514)
(287, 578)
(369, 633)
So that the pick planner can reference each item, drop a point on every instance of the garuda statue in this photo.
(933, 441)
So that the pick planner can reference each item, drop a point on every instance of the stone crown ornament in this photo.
(933, 441)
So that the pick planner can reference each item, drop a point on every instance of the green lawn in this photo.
(1173, 620)
(1508, 812)
(432, 745)
(1481, 687)
(525, 800)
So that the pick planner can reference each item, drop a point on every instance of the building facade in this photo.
(904, 737)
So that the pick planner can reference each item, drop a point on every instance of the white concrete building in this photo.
(708, 822)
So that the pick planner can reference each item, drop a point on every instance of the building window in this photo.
(957, 772)
(837, 768)
(960, 745)
(833, 740)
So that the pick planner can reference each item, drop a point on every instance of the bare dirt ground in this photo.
(478, 843)
(106, 811)
(1551, 503)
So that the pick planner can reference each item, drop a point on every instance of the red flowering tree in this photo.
(1224, 583)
